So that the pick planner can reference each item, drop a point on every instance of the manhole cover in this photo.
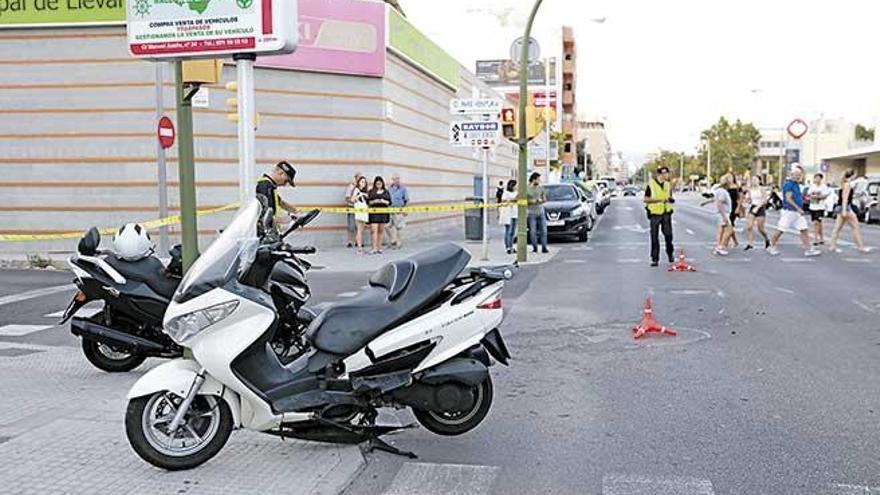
(620, 335)
(16, 352)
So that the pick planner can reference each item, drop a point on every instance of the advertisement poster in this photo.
(506, 73)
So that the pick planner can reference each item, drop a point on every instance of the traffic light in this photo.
(232, 106)
(508, 123)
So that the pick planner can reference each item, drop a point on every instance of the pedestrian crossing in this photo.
(21, 330)
(417, 478)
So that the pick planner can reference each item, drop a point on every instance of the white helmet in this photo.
(132, 242)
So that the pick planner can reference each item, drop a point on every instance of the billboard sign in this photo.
(185, 29)
(407, 42)
(40, 13)
(342, 37)
(506, 73)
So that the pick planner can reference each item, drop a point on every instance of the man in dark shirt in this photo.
(658, 203)
(267, 185)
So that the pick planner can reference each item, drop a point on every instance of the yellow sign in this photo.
(27, 13)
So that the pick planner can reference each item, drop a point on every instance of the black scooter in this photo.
(136, 294)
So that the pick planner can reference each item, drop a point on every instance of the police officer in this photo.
(267, 185)
(658, 202)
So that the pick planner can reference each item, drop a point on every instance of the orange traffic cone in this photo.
(681, 265)
(649, 323)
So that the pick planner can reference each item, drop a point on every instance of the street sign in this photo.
(475, 106)
(166, 29)
(166, 133)
(539, 151)
(797, 128)
(474, 134)
(202, 98)
(516, 50)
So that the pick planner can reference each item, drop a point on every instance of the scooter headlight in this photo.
(185, 327)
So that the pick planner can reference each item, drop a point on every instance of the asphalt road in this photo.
(772, 385)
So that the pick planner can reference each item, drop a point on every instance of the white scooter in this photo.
(420, 336)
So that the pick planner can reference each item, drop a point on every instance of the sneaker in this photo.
(545, 251)
(349, 245)
(772, 251)
(508, 251)
(835, 250)
(671, 258)
(655, 263)
(720, 251)
(865, 250)
(809, 253)
(748, 247)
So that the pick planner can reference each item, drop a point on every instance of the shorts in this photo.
(723, 219)
(789, 219)
(758, 211)
(816, 215)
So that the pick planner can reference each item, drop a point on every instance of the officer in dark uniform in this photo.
(658, 202)
(267, 185)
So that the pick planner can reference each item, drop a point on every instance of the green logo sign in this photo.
(245, 4)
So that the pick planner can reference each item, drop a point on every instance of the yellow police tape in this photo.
(175, 219)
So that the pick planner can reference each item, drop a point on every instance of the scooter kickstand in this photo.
(376, 443)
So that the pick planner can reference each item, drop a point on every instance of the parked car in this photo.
(631, 191)
(871, 200)
(567, 212)
(831, 201)
(589, 197)
(603, 196)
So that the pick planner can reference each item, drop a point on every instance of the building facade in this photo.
(598, 148)
(569, 95)
(78, 127)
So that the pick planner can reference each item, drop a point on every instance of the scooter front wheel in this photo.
(109, 359)
(452, 423)
(202, 433)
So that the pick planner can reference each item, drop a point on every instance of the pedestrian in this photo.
(537, 220)
(819, 191)
(351, 222)
(792, 215)
(358, 200)
(378, 197)
(736, 199)
(267, 186)
(847, 215)
(757, 213)
(724, 207)
(658, 201)
(399, 199)
(507, 215)
(499, 192)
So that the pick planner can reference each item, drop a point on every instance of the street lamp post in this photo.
(522, 213)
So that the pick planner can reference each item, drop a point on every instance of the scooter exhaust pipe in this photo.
(115, 338)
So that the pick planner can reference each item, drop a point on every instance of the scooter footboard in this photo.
(177, 377)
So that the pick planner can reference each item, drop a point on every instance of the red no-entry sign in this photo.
(166, 133)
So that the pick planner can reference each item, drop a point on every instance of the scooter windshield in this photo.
(225, 258)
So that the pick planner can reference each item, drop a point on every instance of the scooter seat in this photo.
(149, 270)
(396, 292)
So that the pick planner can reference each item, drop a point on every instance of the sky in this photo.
(660, 71)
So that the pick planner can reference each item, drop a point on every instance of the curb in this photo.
(337, 482)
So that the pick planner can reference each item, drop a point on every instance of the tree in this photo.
(864, 133)
(681, 166)
(734, 146)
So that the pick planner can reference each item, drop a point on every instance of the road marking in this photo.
(738, 260)
(21, 330)
(630, 260)
(627, 248)
(347, 294)
(655, 485)
(847, 489)
(417, 478)
(785, 291)
(689, 231)
(46, 291)
(864, 306)
(82, 313)
(575, 261)
(856, 260)
(797, 260)
(690, 292)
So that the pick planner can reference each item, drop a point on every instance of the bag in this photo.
(360, 203)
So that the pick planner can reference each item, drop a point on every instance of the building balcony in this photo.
(568, 127)
(568, 67)
(567, 34)
(568, 98)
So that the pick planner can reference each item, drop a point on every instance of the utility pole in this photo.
(246, 126)
(522, 213)
(681, 170)
(709, 162)
(161, 161)
(186, 167)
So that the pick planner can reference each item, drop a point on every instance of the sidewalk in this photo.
(61, 431)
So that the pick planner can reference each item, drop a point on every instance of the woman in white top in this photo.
(507, 215)
(358, 199)
(758, 199)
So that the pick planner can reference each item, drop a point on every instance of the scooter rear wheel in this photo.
(106, 358)
(452, 423)
(204, 431)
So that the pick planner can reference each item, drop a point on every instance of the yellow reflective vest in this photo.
(661, 192)
(276, 199)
